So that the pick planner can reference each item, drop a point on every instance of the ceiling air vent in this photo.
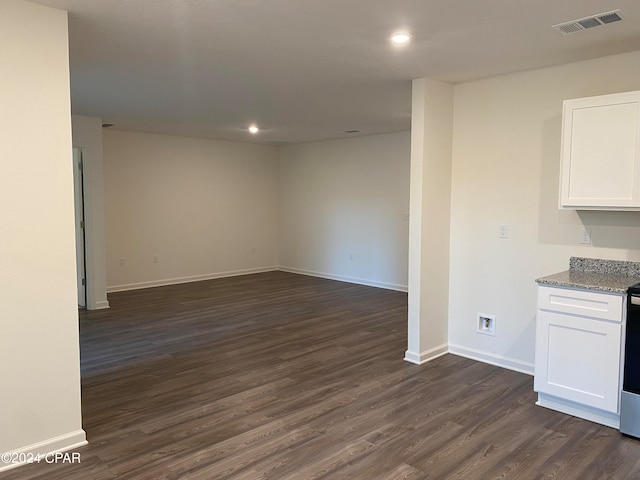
(588, 22)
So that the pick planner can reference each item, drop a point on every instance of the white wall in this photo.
(209, 208)
(87, 134)
(206, 208)
(40, 401)
(342, 206)
(506, 155)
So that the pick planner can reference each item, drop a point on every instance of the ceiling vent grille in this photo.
(588, 22)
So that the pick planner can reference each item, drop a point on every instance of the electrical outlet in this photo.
(122, 261)
(585, 236)
(503, 231)
(155, 259)
(486, 324)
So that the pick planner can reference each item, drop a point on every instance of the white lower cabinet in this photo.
(578, 352)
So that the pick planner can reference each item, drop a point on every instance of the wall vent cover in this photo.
(589, 22)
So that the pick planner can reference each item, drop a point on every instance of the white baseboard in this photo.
(63, 443)
(578, 410)
(340, 278)
(427, 355)
(101, 305)
(492, 359)
(193, 278)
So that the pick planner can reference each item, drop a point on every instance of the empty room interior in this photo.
(320, 239)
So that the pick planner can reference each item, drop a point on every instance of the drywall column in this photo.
(430, 205)
(39, 346)
(87, 134)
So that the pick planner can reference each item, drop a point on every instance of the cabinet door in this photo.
(601, 152)
(578, 359)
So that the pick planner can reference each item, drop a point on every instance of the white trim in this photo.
(193, 278)
(63, 443)
(579, 410)
(427, 355)
(492, 359)
(340, 278)
(101, 305)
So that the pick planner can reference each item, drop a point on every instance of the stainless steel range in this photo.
(630, 398)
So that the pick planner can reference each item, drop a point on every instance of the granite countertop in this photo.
(596, 274)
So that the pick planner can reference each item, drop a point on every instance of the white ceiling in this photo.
(307, 70)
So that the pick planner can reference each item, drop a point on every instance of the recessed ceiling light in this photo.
(400, 38)
(254, 129)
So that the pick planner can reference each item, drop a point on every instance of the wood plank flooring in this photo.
(282, 376)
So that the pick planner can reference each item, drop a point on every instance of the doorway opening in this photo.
(78, 195)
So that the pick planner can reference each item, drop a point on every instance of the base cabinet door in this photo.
(578, 359)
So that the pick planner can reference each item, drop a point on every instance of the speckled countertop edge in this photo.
(614, 276)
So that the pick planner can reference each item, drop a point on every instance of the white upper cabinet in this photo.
(600, 167)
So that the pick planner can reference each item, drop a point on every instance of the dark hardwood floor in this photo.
(282, 376)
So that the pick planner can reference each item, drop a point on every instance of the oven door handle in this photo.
(634, 299)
